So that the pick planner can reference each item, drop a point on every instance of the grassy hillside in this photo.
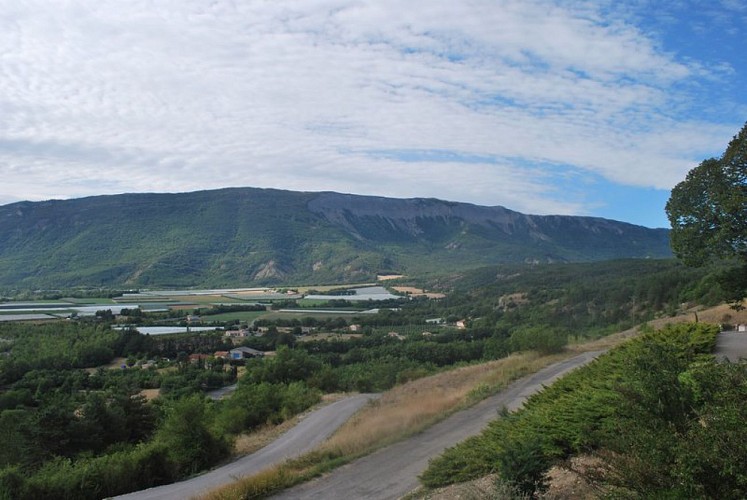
(576, 299)
(233, 237)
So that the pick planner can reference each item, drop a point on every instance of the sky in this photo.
(572, 107)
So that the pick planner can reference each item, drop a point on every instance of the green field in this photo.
(311, 303)
(274, 315)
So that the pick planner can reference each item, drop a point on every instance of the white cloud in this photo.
(106, 96)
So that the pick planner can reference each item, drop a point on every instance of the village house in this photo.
(236, 333)
(196, 358)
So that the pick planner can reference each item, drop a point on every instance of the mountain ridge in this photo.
(241, 236)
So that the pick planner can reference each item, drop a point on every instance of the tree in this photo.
(524, 464)
(708, 214)
(544, 339)
(188, 436)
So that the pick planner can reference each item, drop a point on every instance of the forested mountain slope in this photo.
(246, 236)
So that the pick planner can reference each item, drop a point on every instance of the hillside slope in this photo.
(245, 236)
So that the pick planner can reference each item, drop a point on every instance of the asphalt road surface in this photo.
(222, 392)
(393, 471)
(305, 436)
(731, 346)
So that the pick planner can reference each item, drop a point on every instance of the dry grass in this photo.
(411, 407)
(261, 437)
(399, 413)
(565, 482)
(150, 394)
(387, 277)
(418, 292)
(478, 489)
(261, 483)
(718, 314)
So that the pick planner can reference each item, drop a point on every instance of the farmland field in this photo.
(244, 316)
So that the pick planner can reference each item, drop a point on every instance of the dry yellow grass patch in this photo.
(261, 437)
(260, 485)
(387, 277)
(150, 394)
(718, 314)
(400, 412)
(411, 407)
(419, 292)
(477, 489)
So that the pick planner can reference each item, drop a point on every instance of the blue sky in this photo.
(543, 106)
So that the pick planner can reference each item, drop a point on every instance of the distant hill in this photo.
(245, 236)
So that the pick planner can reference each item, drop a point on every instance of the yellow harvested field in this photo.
(418, 292)
(386, 277)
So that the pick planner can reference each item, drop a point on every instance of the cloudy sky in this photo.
(542, 106)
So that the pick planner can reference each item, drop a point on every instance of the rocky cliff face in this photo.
(373, 218)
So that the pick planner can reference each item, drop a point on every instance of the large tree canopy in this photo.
(708, 213)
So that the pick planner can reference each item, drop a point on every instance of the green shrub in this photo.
(642, 396)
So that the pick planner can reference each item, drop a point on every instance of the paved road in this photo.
(222, 392)
(731, 346)
(305, 436)
(392, 471)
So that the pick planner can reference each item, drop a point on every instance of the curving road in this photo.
(731, 346)
(393, 471)
(305, 436)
